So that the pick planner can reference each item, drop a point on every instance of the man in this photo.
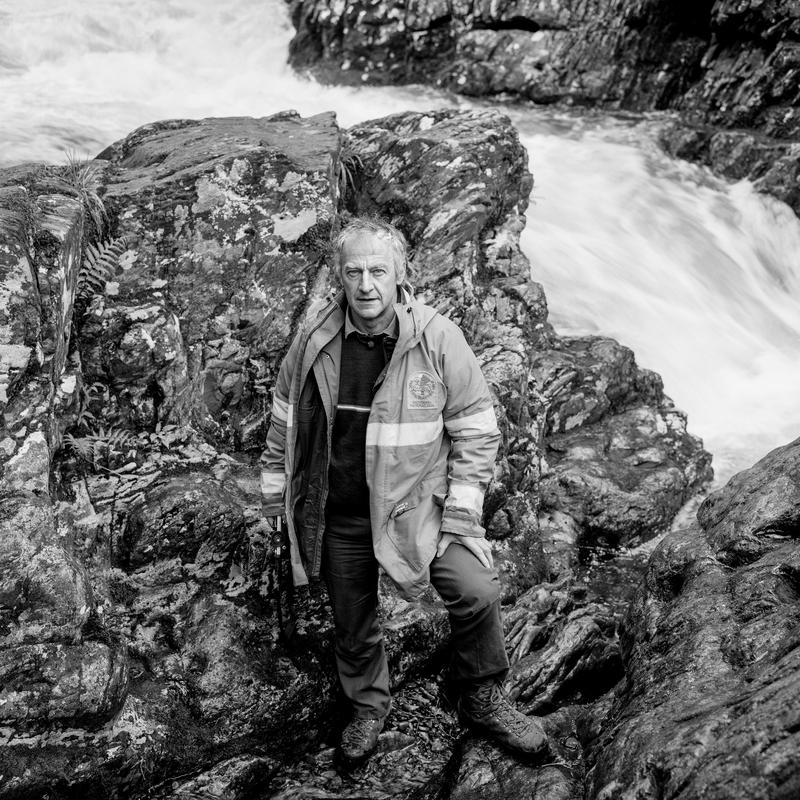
(382, 442)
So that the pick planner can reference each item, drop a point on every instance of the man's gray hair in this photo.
(380, 229)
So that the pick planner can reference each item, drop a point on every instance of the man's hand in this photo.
(477, 545)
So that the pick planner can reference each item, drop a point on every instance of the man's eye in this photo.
(380, 271)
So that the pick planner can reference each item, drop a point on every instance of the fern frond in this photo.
(85, 419)
(119, 440)
(103, 443)
(82, 446)
(100, 263)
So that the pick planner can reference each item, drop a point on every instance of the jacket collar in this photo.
(412, 318)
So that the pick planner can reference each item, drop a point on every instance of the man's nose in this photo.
(366, 280)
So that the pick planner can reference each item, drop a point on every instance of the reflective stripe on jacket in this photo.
(431, 442)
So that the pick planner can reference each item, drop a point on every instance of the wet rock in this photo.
(234, 779)
(772, 164)
(36, 310)
(562, 647)
(619, 462)
(416, 632)
(488, 773)
(59, 666)
(709, 705)
(181, 516)
(52, 683)
(731, 68)
(140, 351)
(757, 510)
(580, 661)
(194, 615)
(45, 592)
(624, 480)
(412, 759)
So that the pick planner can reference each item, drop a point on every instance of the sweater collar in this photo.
(392, 330)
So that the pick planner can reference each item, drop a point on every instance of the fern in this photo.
(101, 445)
(82, 446)
(100, 263)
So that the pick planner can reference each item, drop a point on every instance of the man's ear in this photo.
(400, 272)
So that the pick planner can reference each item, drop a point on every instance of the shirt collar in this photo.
(391, 330)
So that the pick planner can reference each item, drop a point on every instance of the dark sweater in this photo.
(363, 360)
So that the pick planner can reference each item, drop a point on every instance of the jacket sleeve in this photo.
(471, 423)
(273, 458)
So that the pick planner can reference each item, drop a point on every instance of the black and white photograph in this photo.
(400, 400)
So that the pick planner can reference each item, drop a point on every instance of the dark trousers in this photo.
(470, 593)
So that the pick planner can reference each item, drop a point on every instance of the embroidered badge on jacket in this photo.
(421, 391)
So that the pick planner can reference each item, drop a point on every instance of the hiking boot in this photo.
(484, 706)
(359, 739)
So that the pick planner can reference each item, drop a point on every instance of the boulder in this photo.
(181, 516)
(757, 510)
(227, 221)
(710, 701)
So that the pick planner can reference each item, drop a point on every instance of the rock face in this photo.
(731, 68)
(148, 630)
(711, 698)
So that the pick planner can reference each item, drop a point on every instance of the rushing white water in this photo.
(699, 277)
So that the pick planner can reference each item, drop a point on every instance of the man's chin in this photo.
(368, 310)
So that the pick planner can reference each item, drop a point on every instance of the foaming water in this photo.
(699, 277)
(75, 76)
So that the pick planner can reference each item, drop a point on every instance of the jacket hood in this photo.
(413, 317)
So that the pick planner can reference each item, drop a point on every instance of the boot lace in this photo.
(357, 731)
(493, 700)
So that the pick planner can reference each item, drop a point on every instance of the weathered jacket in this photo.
(431, 443)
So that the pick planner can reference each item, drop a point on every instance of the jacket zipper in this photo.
(317, 558)
(317, 564)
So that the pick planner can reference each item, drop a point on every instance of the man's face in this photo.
(369, 277)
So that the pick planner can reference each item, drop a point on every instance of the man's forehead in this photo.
(380, 236)
(368, 243)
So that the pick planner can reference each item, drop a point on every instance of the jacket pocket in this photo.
(414, 523)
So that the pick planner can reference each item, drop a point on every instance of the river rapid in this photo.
(699, 276)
